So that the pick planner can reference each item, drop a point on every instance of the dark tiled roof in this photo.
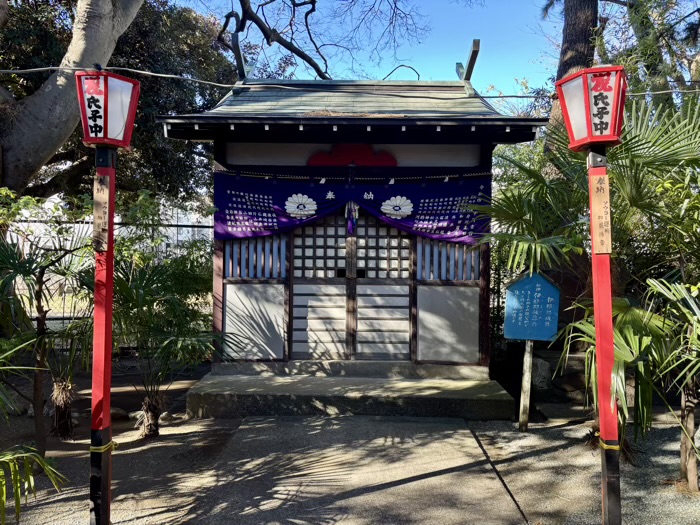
(328, 99)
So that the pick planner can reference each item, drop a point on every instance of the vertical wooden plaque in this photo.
(100, 223)
(601, 225)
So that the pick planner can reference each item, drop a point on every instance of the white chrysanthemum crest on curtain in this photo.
(300, 206)
(397, 207)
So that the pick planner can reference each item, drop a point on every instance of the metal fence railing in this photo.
(63, 302)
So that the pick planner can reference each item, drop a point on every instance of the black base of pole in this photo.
(100, 477)
(610, 456)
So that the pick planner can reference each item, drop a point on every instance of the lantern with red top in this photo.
(593, 102)
(107, 107)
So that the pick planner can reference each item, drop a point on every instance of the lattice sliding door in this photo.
(383, 291)
(319, 304)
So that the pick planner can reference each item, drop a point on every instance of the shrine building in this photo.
(344, 228)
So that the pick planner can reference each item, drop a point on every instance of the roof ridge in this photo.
(318, 82)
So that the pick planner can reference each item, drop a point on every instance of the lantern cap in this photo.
(588, 71)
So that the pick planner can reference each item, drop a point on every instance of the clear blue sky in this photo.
(514, 44)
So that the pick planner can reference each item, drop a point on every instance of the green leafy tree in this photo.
(163, 38)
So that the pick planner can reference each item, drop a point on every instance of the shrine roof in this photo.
(348, 102)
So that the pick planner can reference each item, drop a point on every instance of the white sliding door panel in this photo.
(383, 326)
(319, 321)
(254, 321)
(448, 324)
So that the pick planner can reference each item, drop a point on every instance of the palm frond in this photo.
(18, 462)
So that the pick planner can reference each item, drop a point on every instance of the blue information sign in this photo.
(532, 309)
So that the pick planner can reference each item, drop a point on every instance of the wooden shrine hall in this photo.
(345, 232)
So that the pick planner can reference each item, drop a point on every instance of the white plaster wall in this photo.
(448, 324)
(407, 155)
(254, 321)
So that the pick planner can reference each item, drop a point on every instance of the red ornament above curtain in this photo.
(356, 154)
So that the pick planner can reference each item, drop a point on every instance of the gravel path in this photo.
(555, 477)
(551, 474)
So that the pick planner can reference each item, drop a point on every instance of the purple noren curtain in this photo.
(255, 207)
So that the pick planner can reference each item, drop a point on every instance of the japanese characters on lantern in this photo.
(601, 92)
(93, 93)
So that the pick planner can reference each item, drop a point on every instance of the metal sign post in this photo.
(532, 314)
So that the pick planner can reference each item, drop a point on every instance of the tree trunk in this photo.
(151, 412)
(38, 401)
(40, 360)
(577, 43)
(691, 460)
(43, 121)
(62, 396)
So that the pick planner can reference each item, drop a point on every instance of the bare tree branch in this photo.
(311, 11)
(271, 36)
(234, 46)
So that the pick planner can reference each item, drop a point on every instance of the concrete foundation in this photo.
(379, 369)
(310, 388)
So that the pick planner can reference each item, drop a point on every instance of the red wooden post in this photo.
(101, 428)
(593, 105)
(108, 104)
(600, 214)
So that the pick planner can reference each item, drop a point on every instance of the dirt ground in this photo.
(19, 430)
(194, 472)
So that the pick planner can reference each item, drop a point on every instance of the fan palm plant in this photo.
(167, 330)
(35, 263)
(17, 463)
(539, 214)
(640, 346)
(683, 364)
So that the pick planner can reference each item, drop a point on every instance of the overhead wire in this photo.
(299, 88)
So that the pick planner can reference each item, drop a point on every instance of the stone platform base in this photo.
(238, 395)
